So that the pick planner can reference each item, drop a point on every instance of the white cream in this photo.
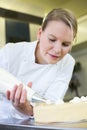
(77, 99)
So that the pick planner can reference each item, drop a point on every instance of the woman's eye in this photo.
(52, 40)
(65, 44)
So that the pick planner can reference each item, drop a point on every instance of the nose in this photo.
(58, 47)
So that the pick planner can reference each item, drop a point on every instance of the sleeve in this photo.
(4, 51)
(9, 54)
(59, 86)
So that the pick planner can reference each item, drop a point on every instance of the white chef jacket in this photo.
(49, 80)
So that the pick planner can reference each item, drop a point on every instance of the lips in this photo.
(54, 56)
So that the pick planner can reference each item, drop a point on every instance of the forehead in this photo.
(57, 22)
(59, 29)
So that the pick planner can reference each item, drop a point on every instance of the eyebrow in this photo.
(52, 35)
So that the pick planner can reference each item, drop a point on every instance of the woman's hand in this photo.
(18, 96)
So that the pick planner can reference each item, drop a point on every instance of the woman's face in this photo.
(54, 42)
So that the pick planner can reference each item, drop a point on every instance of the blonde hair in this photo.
(61, 14)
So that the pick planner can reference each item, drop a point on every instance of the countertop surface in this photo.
(30, 124)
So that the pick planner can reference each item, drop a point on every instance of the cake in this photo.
(72, 111)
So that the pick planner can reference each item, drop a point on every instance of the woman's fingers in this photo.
(12, 93)
(18, 95)
(8, 94)
(23, 98)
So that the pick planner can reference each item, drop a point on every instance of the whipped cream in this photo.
(77, 99)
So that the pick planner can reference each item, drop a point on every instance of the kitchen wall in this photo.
(33, 31)
(80, 55)
(2, 31)
(33, 28)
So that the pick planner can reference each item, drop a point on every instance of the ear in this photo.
(39, 34)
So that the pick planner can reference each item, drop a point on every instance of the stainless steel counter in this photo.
(29, 124)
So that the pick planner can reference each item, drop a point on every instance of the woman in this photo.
(45, 64)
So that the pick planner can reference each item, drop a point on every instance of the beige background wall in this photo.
(33, 28)
(33, 31)
(80, 56)
(2, 31)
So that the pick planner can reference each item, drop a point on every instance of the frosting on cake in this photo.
(73, 111)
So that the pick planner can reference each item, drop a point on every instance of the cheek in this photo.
(45, 46)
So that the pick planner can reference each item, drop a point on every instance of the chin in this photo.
(52, 62)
